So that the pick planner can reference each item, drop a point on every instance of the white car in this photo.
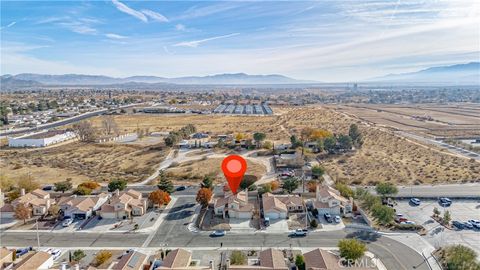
(56, 253)
(67, 222)
(337, 219)
(408, 222)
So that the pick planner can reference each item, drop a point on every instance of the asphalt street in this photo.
(173, 233)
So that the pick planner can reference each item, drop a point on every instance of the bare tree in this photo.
(85, 131)
(109, 125)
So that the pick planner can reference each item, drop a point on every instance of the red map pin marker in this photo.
(234, 167)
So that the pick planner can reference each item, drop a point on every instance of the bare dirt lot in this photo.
(82, 161)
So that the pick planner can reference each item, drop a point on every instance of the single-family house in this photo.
(123, 205)
(269, 259)
(38, 201)
(178, 259)
(234, 205)
(279, 206)
(131, 261)
(329, 200)
(6, 257)
(324, 260)
(82, 207)
(39, 260)
(287, 160)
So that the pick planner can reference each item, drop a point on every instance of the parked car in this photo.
(408, 222)
(399, 218)
(67, 222)
(328, 217)
(22, 251)
(445, 202)
(218, 233)
(415, 201)
(48, 188)
(180, 188)
(458, 224)
(475, 223)
(267, 221)
(56, 253)
(337, 219)
(299, 233)
(468, 225)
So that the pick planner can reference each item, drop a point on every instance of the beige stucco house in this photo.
(123, 205)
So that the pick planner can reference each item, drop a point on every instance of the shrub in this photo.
(314, 223)
(102, 257)
(238, 258)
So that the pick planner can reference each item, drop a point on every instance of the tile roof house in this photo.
(319, 259)
(278, 206)
(124, 204)
(40, 261)
(178, 259)
(234, 205)
(269, 259)
(82, 207)
(6, 257)
(38, 200)
(131, 261)
(329, 200)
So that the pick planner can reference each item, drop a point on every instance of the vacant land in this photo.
(82, 161)
(193, 171)
(436, 120)
(384, 156)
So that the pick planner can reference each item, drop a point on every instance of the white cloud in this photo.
(8, 25)
(125, 9)
(180, 27)
(196, 43)
(115, 36)
(155, 15)
(78, 27)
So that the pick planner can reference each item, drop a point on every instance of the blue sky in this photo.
(319, 40)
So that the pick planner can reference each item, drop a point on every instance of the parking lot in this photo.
(437, 235)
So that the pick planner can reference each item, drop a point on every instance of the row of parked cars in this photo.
(470, 224)
(445, 202)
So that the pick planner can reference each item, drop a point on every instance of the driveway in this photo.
(277, 226)
(240, 225)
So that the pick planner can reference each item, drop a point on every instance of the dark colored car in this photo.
(180, 188)
(328, 217)
(445, 202)
(458, 224)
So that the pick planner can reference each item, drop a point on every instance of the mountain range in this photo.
(455, 74)
(80, 79)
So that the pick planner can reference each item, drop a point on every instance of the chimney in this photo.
(22, 192)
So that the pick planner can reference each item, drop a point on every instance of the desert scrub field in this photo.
(191, 172)
(383, 156)
(82, 161)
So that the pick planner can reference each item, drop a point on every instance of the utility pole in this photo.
(38, 237)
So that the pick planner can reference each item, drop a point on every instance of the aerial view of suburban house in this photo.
(269, 259)
(329, 200)
(39, 260)
(234, 206)
(322, 259)
(178, 259)
(41, 139)
(279, 206)
(82, 207)
(124, 204)
(38, 200)
(131, 261)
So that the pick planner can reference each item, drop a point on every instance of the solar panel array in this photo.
(243, 109)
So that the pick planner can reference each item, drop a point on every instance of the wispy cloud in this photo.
(8, 25)
(78, 27)
(155, 15)
(115, 36)
(196, 43)
(180, 27)
(130, 11)
(197, 12)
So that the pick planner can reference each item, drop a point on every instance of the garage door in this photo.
(244, 215)
(272, 215)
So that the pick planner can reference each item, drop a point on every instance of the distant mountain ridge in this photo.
(81, 79)
(468, 73)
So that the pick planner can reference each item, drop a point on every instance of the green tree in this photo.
(314, 223)
(351, 249)
(354, 133)
(436, 212)
(383, 214)
(63, 186)
(318, 171)
(164, 183)
(207, 182)
(81, 190)
(386, 189)
(247, 181)
(117, 184)
(345, 142)
(265, 188)
(369, 201)
(460, 257)
(300, 262)
(329, 144)
(290, 184)
(237, 257)
(259, 137)
(78, 255)
(447, 217)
